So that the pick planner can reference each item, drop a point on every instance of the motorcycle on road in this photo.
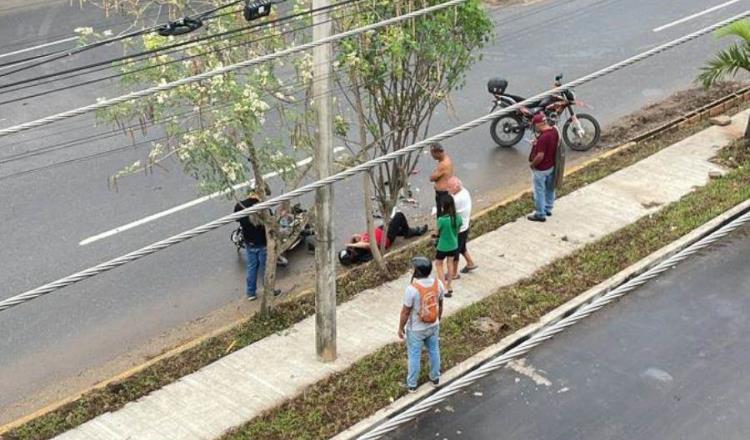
(294, 226)
(580, 131)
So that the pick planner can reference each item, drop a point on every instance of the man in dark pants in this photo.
(443, 172)
(254, 234)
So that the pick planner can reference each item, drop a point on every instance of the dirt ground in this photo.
(662, 112)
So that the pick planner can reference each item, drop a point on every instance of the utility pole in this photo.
(325, 254)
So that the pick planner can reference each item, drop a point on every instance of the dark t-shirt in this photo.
(254, 235)
(547, 144)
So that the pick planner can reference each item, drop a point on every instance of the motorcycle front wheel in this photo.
(507, 130)
(581, 136)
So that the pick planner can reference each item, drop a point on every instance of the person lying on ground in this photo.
(358, 248)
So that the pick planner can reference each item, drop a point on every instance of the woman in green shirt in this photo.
(448, 225)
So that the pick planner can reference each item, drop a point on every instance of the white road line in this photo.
(696, 15)
(184, 206)
(29, 49)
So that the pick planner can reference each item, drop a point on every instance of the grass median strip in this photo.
(372, 383)
(116, 395)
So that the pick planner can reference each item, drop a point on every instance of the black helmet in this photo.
(345, 257)
(422, 267)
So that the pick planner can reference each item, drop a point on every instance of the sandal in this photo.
(468, 269)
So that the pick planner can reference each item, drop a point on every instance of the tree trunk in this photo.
(269, 276)
(376, 254)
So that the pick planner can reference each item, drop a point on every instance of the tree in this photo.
(732, 60)
(391, 80)
(214, 129)
(398, 77)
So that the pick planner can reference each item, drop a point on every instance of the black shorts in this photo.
(440, 255)
(463, 237)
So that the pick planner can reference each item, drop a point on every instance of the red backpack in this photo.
(428, 302)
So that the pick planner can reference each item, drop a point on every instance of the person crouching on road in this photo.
(542, 163)
(448, 225)
(462, 200)
(420, 321)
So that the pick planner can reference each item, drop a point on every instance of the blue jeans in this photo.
(256, 262)
(544, 191)
(414, 342)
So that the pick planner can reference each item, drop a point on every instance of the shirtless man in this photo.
(442, 174)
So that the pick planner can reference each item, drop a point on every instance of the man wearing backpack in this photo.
(420, 321)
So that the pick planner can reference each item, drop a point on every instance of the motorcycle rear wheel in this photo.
(507, 130)
(591, 133)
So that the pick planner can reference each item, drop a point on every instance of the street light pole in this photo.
(325, 254)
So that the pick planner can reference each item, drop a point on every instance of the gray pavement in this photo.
(668, 361)
(46, 213)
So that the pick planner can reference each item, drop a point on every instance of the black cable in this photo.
(181, 44)
(119, 75)
(119, 132)
(57, 55)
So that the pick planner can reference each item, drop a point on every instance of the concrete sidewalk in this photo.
(256, 378)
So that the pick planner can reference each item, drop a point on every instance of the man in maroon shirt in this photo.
(542, 163)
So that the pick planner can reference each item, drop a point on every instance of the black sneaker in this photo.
(549, 213)
(435, 382)
(536, 218)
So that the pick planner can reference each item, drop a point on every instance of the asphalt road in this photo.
(668, 361)
(53, 201)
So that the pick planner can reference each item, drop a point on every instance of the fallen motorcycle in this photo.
(580, 131)
(294, 229)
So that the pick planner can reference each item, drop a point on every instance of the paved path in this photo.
(240, 386)
(668, 361)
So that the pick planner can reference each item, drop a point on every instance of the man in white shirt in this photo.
(462, 200)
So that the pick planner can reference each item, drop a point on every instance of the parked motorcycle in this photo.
(294, 226)
(580, 131)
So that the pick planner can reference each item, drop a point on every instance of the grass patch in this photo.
(527, 306)
(372, 383)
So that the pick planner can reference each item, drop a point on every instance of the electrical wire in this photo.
(54, 56)
(176, 45)
(142, 69)
(48, 288)
(106, 103)
(119, 132)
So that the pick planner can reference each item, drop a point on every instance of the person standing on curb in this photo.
(462, 200)
(448, 225)
(442, 173)
(419, 322)
(542, 163)
(254, 235)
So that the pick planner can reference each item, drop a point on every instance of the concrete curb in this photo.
(555, 315)
(704, 113)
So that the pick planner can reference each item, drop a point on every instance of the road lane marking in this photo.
(186, 205)
(696, 15)
(29, 49)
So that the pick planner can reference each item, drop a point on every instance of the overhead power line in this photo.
(138, 70)
(364, 167)
(126, 59)
(106, 103)
(165, 29)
